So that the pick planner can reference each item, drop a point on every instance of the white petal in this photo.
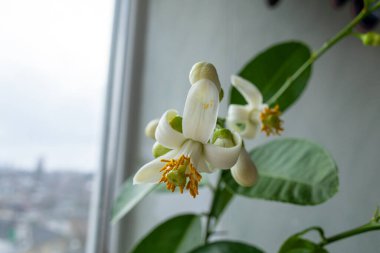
(246, 129)
(238, 112)
(203, 166)
(251, 129)
(244, 171)
(194, 150)
(244, 120)
(165, 134)
(222, 157)
(150, 172)
(201, 111)
(248, 90)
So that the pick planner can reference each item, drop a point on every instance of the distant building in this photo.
(43, 211)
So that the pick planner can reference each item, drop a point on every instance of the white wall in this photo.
(339, 109)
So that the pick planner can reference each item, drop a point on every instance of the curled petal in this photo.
(238, 112)
(244, 171)
(150, 172)
(243, 120)
(246, 130)
(201, 111)
(223, 157)
(251, 129)
(248, 90)
(165, 134)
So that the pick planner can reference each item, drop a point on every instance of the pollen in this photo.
(180, 172)
(271, 121)
(208, 105)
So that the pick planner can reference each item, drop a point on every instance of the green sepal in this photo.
(159, 150)
(176, 123)
(221, 94)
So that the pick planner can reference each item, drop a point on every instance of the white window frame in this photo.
(118, 140)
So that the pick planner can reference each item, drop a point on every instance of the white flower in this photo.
(246, 119)
(244, 171)
(191, 153)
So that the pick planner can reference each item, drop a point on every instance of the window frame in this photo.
(123, 94)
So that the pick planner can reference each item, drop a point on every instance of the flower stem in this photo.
(221, 198)
(347, 30)
(359, 230)
(210, 215)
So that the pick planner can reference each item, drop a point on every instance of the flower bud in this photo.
(370, 39)
(205, 70)
(159, 150)
(223, 138)
(150, 129)
(244, 171)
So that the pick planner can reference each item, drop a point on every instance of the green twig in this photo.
(208, 231)
(347, 30)
(362, 229)
(318, 229)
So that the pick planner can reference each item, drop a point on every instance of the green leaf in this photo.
(128, 197)
(177, 235)
(296, 244)
(291, 170)
(368, 3)
(270, 69)
(227, 247)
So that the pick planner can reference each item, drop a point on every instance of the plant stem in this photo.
(208, 231)
(362, 229)
(326, 46)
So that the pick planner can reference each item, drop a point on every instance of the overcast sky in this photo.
(53, 67)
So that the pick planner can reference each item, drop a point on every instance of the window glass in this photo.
(53, 67)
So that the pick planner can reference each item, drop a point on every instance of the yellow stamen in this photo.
(180, 172)
(271, 122)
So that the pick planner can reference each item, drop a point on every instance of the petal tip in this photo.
(244, 171)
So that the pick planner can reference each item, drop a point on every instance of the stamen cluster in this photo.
(180, 173)
(271, 123)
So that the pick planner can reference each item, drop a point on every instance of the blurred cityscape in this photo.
(43, 212)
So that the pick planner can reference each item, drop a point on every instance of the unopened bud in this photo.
(370, 39)
(150, 129)
(244, 171)
(223, 138)
(205, 70)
